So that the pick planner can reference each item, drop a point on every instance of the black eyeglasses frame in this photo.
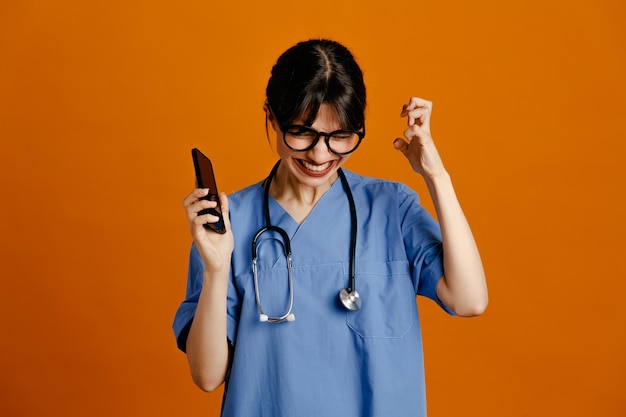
(327, 136)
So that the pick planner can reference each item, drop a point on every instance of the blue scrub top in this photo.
(329, 361)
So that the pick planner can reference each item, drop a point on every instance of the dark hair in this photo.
(313, 73)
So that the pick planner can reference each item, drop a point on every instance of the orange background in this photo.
(100, 103)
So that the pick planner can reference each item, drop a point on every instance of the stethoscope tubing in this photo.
(288, 316)
(353, 228)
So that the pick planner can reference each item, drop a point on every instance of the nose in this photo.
(321, 148)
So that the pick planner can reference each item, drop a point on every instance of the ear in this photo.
(268, 111)
(269, 116)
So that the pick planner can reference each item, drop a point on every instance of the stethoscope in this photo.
(348, 296)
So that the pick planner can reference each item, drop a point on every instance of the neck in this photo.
(286, 187)
(296, 198)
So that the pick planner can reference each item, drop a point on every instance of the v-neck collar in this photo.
(281, 217)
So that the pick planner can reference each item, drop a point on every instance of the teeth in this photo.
(315, 168)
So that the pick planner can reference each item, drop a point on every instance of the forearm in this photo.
(207, 345)
(463, 287)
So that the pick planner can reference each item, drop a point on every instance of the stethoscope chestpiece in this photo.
(350, 299)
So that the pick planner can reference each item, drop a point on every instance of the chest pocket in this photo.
(389, 307)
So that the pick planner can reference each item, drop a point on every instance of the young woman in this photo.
(306, 305)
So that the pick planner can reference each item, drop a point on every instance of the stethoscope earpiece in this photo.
(264, 317)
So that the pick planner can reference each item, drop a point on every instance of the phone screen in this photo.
(205, 178)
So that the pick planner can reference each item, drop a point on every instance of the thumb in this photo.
(224, 206)
(401, 145)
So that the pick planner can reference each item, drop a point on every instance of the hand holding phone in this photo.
(205, 178)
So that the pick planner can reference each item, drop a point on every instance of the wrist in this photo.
(216, 268)
(439, 178)
(215, 276)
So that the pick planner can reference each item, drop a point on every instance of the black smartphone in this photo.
(205, 178)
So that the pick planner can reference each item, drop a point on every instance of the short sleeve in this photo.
(423, 244)
(187, 309)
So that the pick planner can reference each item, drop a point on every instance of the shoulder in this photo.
(245, 197)
(371, 187)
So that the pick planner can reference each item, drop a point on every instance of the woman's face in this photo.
(317, 166)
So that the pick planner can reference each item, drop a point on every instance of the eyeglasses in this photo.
(301, 138)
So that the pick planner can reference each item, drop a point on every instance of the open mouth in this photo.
(315, 170)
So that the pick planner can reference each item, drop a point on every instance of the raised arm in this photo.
(463, 287)
(207, 344)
